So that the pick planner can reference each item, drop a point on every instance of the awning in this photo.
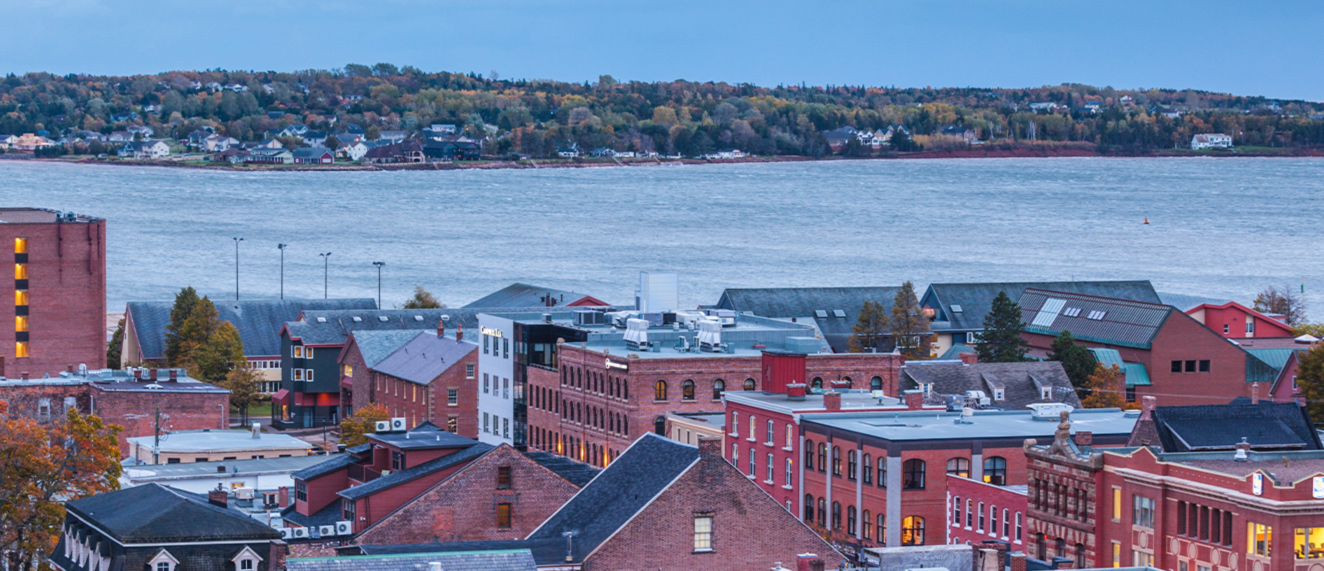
(281, 397)
(328, 399)
(347, 383)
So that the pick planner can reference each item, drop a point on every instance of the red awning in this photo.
(328, 399)
(281, 397)
(347, 383)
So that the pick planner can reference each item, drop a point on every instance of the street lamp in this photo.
(325, 269)
(379, 282)
(237, 240)
(282, 269)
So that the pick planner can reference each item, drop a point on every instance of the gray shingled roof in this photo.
(502, 560)
(787, 302)
(525, 295)
(976, 299)
(1122, 322)
(1017, 380)
(424, 357)
(377, 345)
(545, 551)
(1220, 427)
(577, 473)
(334, 327)
(410, 474)
(258, 321)
(620, 491)
(153, 513)
(336, 462)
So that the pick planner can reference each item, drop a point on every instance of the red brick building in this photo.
(417, 375)
(54, 310)
(504, 494)
(1186, 362)
(1235, 321)
(978, 511)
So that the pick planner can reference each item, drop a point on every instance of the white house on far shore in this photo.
(1211, 141)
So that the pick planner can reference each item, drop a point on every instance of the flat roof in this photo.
(39, 216)
(143, 473)
(941, 425)
(852, 400)
(715, 420)
(221, 441)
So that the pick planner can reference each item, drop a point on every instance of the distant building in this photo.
(145, 150)
(217, 143)
(265, 482)
(270, 157)
(452, 150)
(1236, 321)
(520, 295)
(568, 152)
(832, 310)
(690, 427)
(7, 141)
(1008, 386)
(395, 153)
(183, 447)
(1211, 141)
(314, 156)
(962, 133)
(725, 154)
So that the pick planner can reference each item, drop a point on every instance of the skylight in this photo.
(321, 320)
(1096, 315)
(382, 318)
(956, 308)
(357, 319)
(820, 313)
(1071, 312)
(1048, 313)
(418, 318)
(838, 313)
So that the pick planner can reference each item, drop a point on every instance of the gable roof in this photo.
(621, 490)
(374, 345)
(424, 357)
(1267, 425)
(1284, 328)
(1093, 318)
(525, 295)
(311, 152)
(1020, 381)
(153, 513)
(577, 473)
(833, 309)
(259, 321)
(976, 299)
(494, 560)
(333, 327)
(410, 474)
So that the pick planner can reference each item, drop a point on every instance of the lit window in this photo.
(298, 351)
(660, 391)
(20, 323)
(20, 271)
(1117, 504)
(1308, 542)
(20, 245)
(503, 477)
(20, 297)
(959, 467)
(687, 390)
(703, 533)
(1258, 540)
(995, 471)
(347, 370)
(912, 530)
(21, 349)
(503, 516)
(453, 423)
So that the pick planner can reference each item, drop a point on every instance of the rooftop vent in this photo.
(710, 336)
(357, 319)
(383, 318)
(636, 334)
(1048, 411)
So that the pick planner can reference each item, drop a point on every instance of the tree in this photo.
(909, 326)
(870, 329)
(901, 141)
(331, 142)
(42, 465)
(1310, 380)
(1285, 302)
(184, 302)
(241, 381)
(1104, 388)
(220, 353)
(423, 300)
(116, 344)
(1313, 329)
(354, 430)
(1078, 361)
(1001, 340)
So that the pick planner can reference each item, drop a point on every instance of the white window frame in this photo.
(307, 375)
(246, 554)
(162, 556)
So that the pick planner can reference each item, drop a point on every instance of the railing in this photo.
(362, 473)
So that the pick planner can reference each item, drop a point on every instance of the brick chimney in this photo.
(174, 374)
(1084, 438)
(710, 447)
(808, 562)
(459, 332)
(279, 552)
(69, 369)
(153, 373)
(441, 328)
(795, 391)
(283, 497)
(23, 375)
(969, 358)
(138, 374)
(832, 400)
(218, 498)
(1147, 404)
(914, 399)
(1254, 393)
(1017, 561)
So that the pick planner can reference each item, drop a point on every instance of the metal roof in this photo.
(525, 295)
(424, 358)
(1136, 375)
(1093, 318)
(976, 299)
(258, 321)
(928, 425)
(374, 346)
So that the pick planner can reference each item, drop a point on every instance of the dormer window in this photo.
(998, 395)
(1046, 393)
(162, 561)
(246, 560)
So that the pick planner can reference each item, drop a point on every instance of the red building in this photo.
(1185, 362)
(1236, 321)
(978, 511)
(418, 375)
(54, 313)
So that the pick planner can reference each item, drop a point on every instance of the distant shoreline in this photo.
(1045, 151)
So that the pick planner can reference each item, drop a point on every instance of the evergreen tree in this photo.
(870, 329)
(184, 302)
(1001, 340)
(423, 299)
(115, 345)
(909, 326)
(1078, 361)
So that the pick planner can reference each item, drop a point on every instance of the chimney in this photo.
(283, 497)
(257, 431)
(914, 399)
(969, 358)
(1084, 438)
(1017, 561)
(1147, 407)
(710, 447)
(441, 328)
(153, 373)
(459, 332)
(138, 374)
(218, 498)
(832, 401)
(795, 391)
(69, 369)
(279, 552)
(1254, 393)
(808, 562)
(174, 374)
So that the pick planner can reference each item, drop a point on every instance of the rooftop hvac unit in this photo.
(636, 334)
(977, 398)
(300, 533)
(398, 424)
(383, 426)
(327, 530)
(688, 318)
(710, 336)
(1048, 410)
(726, 317)
(589, 317)
(344, 528)
(243, 493)
(286, 533)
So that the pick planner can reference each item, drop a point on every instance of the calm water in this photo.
(1221, 228)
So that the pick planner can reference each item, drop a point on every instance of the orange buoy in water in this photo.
(1146, 220)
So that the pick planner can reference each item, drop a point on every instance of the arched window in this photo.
(882, 472)
(719, 386)
(868, 470)
(750, 384)
(912, 475)
(836, 460)
(912, 530)
(1080, 556)
(1040, 547)
(772, 434)
(809, 454)
(817, 383)
(882, 529)
(822, 512)
(660, 425)
(995, 470)
(1061, 547)
(789, 441)
(876, 384)
(789, 471)
(959, 467)
(866, 533)
(809, 508)
(822, 457)
(850, 520)
(851, 465)
(687, 390)
(836, 515)
(660, 391)
(735, 455)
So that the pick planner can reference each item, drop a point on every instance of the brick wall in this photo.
(418, 403)
(463, 508)
(136, 411)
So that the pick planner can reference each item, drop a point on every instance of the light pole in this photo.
(237, 240)
(326, 265)
(281, 247)
(379, 282)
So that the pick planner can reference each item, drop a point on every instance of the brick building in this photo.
(424, 377)
(1185, 362)
(503, 494)
(53, 314)
(978, 511)
(1236, 321)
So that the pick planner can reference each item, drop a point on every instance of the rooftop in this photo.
(221, 441)
(1020, 383)
(832, 309)
(410, 474)
(376, 345)
(333, 327)
(962, 306)
(852, 400)
(41, 216)
(258, 321)
(143, 473)
(1267, 425)
(929, 425)
(494, 560)
(153, 513)
(424, 357)
(525, 295)
(1285, 468)
(1092, 318)
(425, 436)
(716, 420)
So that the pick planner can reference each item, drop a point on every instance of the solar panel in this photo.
(1048, 312)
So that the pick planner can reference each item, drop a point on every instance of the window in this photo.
(1117, 504)
(809, 454)
(1310, 543)
(687, 390)
(21, 297)
(1018, 527)
(503, 477)
(1141, 559)
(503, 516)
(20, 323)
(505, 427)
(301, 491)
(875, 384)
(809, 508)
(20, 271)
(772, 434)
(1190, 366)
(397, 461)
(452, 397)
(719, 386)
(505, 348)
(850, 520)
(836, 460)
(969, 514)
(486, 383)
(1259, 539)
(882, 472)
(308, 375)
(735, 424)
(750, 384)
(753, 462)
(1227, 329)
(1006, 523)
(703, 533)
(789, 465)
(956, 511)
(912, 474)
(912, 530)
(735, 455)
(995, 471)
(660, 390)
(485, 338)
(1204, 365)
(822, 511)
(882, 529)
(822, 457)
(983, 522)
(163, 566)
(959, 467)
(866, 520)
(1117, 554)
(836, 515)
(867, 464)
(298, 374)
(1176, 366)
(347, 509)
(247, 565)
(485, 424)
(769, 468)
(1142, 511)
(469, 371)
(20, 245)
(753, 426)
(452, 424)
(1250, 327)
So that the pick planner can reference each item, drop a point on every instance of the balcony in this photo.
(363, 474)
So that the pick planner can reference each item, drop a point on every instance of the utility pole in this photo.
(379, 282)
(326, 268)
(237, 240)
(281, 247)
(156, 441)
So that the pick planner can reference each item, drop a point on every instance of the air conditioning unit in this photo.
(636, 334)
(286, 533)
(710, 336)
(383, 426)
(327, 530)
(300, 533)
(398, 424)
(344, 528)
(314, 533)
(243, 493)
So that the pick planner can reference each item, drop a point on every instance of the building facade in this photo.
(978, 511)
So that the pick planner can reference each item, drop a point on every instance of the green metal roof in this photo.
(1276, 358)
(1136, 375)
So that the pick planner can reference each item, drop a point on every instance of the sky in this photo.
(1245, 48)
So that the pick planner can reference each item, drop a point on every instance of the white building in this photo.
(353, 151)
(263, 474)
(1211, 141)
(145, 150)
(496, 365)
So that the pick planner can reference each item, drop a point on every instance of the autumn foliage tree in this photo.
(1310, 380)
(870, 329)
(1104, 388)
(423, 299)
(909, 326)
(198, 340)
(42, 465)
(354, 429)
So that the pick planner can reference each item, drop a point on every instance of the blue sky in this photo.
(1239, 47)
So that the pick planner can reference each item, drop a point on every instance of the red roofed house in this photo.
(1236, 321)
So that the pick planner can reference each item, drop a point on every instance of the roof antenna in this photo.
(569, 541)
